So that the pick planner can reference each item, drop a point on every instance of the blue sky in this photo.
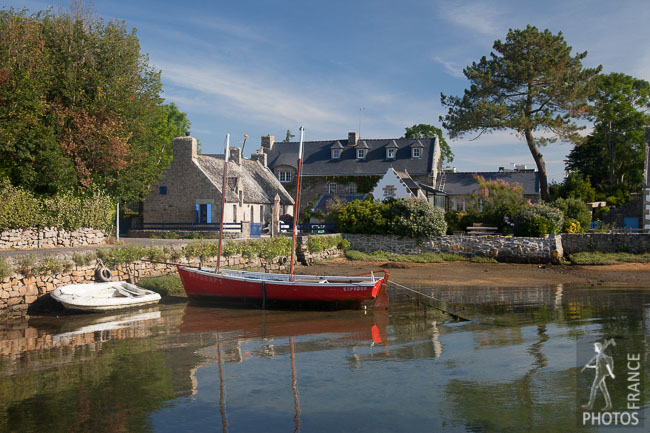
(262, 67)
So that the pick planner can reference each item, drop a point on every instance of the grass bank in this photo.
(380, 255)
(604, 258)
(164, 285)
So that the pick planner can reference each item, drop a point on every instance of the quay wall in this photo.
(21, 293)
(506, 249)
(50, 237)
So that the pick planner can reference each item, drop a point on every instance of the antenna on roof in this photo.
(360, 111)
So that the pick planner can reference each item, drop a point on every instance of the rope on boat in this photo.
(436, 303)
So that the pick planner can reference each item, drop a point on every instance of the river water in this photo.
(516, 365)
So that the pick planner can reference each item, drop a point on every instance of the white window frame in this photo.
(361, 153)
(352, 188)
(416, 152)
(331, 188)
(336, 153)
(460, 204)
(284, 176)
(390, 153)
(390, 191)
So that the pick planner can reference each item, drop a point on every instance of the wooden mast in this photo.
(223, 199)
(296, 206)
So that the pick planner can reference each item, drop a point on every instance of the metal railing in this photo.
(191, 227)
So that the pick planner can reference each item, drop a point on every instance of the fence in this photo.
(191, 227)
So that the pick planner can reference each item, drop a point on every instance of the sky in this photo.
(372, 66)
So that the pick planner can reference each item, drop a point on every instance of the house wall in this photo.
(186, 186)
(390, 179)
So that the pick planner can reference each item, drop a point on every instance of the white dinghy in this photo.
(104, 296)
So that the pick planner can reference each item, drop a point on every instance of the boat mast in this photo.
(296, 205)
(223, 199)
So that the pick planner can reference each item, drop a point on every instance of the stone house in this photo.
(461, 188)
(352, 165)
(189, 190)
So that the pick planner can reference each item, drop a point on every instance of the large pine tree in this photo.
(530, 84)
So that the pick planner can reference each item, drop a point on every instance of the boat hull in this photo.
(102, 297)
(206, 285)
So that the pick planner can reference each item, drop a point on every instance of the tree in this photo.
(613, 154)
(530, 84)
(429, 131)
(289, 136)
(80, 106)
(574, 186)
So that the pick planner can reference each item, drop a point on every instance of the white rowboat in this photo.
(104, 296)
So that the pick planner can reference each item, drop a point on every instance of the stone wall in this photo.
(506, 249)
(609, 242)
(18, 292)
(50, 237)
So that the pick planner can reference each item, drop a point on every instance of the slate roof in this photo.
(317, 158)
(258, 183)
(464, 183)
(325, 200)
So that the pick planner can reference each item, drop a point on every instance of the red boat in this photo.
(231, 285)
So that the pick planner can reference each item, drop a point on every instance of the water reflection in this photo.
(181, 367)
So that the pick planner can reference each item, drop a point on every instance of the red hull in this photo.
(200, 284)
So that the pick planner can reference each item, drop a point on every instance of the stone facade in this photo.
(506, 249)
(50, 237)
(636, 243)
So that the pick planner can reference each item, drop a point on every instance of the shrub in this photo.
(22, 209)
(360, 217)
(26, 265)
(80, 259)
(528, 221)
(499, 199)
(316, 244)
(417, 218)
(5, 269)
(52, 265)
(573, 208)
(572, 226)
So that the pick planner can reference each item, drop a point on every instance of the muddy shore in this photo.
(450, 274)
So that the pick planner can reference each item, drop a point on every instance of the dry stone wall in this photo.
(506, 249)
(50, 237)
(635, 243)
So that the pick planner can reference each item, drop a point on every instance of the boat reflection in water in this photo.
(242, 335)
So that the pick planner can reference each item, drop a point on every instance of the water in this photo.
(177, 367)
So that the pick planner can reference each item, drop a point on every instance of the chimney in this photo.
(267, 142)
(184, 148)
(261, 157)
(235, 155)
(353, 138)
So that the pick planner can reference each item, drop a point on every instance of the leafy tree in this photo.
(575, 209)
(80, 105)
(613, 155)
(417, 218)
(538, 219)
(530, 84)
(574, 186)
(422, 130)
(288, 136)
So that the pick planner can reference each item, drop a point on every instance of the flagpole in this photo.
(296, 205)
(223, 199)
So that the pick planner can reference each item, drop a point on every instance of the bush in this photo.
(21, 209)
(360, 217)
(5, 269)
(529, 220)
(417, 218)
(84, 259)
(573, 208)
(572, 226)
(317, 244)
(500, 199)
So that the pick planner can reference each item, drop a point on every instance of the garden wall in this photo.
(50, 237)
(607, 242)
(505, 249)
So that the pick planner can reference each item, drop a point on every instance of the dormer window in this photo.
(284, 176)
(361, 153)
(390, 153)
(336, 153)
(416, 152)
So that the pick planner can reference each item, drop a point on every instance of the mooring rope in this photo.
(430, 297)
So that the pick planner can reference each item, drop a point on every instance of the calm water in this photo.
(177, 367)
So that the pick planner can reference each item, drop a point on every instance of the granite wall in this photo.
(50, 237)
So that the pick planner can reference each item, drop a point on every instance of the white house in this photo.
(395, 184)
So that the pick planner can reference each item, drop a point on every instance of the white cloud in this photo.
(452, 68)
(477, 17)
